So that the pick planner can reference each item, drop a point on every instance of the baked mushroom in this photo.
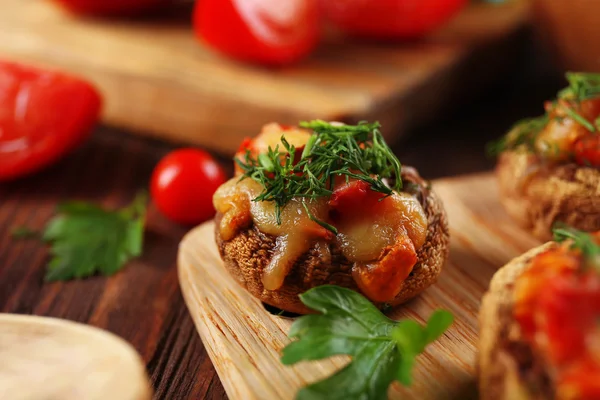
(328, 204)
(539, 329)
(549, 167)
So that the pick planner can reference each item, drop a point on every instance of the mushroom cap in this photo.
(249, 253)
(504, 357)
(537, 195)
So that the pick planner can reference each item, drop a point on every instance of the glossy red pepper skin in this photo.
(391, 19)
(270, 32)
(43, 115)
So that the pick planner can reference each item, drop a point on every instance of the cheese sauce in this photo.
(363, 237)
(293, 235)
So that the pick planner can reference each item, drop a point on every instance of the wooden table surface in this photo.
(143, 303)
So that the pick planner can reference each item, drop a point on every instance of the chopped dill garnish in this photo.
(354, 151)
(583, 241)
(582, 86)
(580, 119)
(523, 134)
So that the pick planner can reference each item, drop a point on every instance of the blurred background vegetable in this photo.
(391, 19)
(43, 115)
(271, 32)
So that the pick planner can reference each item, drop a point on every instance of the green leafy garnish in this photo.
(382, 350)
(580, 119)
(85, 239)
(355, 151)
(582, 86)
(583, 241)
(523, 134)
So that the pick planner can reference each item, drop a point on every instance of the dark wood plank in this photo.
(143, 303)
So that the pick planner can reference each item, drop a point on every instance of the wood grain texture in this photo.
(157, 80)
(49, 358)
(244, 340)
(143, 303)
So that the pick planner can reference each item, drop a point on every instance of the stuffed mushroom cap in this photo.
(549, 167)
(538, 323)
(537, 195)
(389, 256)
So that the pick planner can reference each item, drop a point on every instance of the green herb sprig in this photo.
(583, 241)
(355, 151)
(85, 239)
(382, 350)
(522, 135)
(582, 86)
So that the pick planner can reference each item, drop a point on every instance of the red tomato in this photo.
(108, 7)
(183, 185)
(352, 196)
(566, 327)
(587, 150)
(391, 18)
(43, 115)
(271, 32)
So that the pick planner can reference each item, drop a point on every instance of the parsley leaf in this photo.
(383, 350)
(86, 239)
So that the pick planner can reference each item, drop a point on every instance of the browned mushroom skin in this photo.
(249, 252)
(508, 369)
(537, 195)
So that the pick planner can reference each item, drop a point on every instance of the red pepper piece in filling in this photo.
(382, 279)
(354, 197)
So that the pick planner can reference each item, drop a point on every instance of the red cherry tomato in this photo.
(43, 115)
(587, 150)
(108, 7)
(272, 32)
(183, 184)
(391, 18)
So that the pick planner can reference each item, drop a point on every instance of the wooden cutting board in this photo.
(244, 340)
(157, 80)
(52, 359)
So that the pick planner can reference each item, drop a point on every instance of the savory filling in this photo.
(327, 185)
(568, 131)
(557, 307)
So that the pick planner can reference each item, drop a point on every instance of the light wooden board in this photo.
(48, 358)
(158, 80)
(243, 340)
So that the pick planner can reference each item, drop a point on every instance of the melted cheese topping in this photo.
(270, 136)
(293, 235)
(373, 240)
(363, 236)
